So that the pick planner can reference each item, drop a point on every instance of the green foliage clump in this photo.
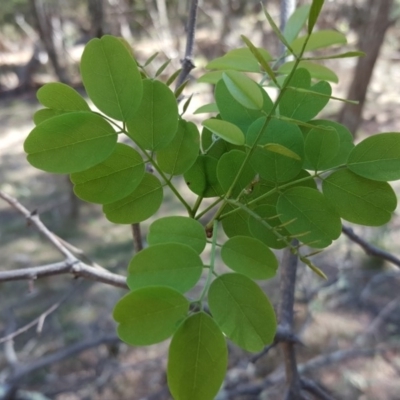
(274, 171)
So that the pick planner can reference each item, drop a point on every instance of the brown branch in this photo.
(137, 238)
(71, 264)
(76, 268)
(187, 61)
(369, 248)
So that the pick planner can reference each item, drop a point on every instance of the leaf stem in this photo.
(212, 263)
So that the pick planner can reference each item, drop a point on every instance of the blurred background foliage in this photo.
(72, 353)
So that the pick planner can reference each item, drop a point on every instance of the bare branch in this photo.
(369, 248)
(187, 61)
(137, 238)
(76, 268)
(313, 388)
(33, 218)
(71, 265)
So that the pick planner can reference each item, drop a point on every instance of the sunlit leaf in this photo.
(207, 108)
(70, 142)
(59, 96)
(149, 315)
(244, 90)
(316, 71)
(319, 40)
(295, 22)
(111, 77)
(279, 149)
(227, 131)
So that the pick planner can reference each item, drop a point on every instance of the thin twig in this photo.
(71, 264)
(369, 248)
(313, 388)
(39, 321)
(187, 61)
(137, 238)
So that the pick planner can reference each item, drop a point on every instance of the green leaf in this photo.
(244, 90)
(319, 40)
(111, 180)
(316, 71)
(320, 147)
(182, 152)
(111, 77)
(174, 265)
(263, 228)
(151, 59)
(162, 68)
(229, 166)
(302, 105)
(315, 9)
(240, 59)
(227, 131)
(251, 321)
(172, 78)
(249, 257)
(236, 223)
(149, 315)
(273, 166)
(377, 157)
(296, 22)
(207, 108)
(70, 142)
(141, 204)
(59, 96)
(202, 179)
(360, 200)
(347, 54)
(210, 77)
(279, 149)
(197, 359)
(46, 113)
(260, 58)
(345, 138)
(275, 28)
(234, 112)
(178, 229)
(309, 216)
(155, 123)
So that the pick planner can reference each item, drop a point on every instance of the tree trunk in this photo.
(45, 30)
(371, 36)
